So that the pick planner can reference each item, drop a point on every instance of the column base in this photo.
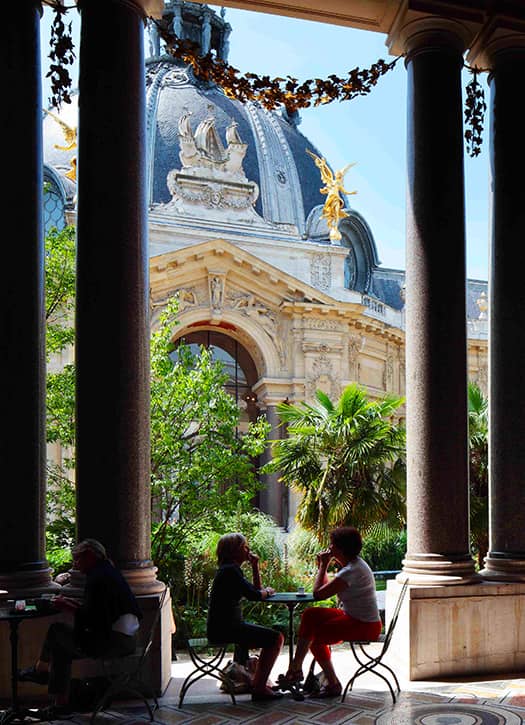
(28, 581)
(435, 569)
(503, 567)
(141, 579)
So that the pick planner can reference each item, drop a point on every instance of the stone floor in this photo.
(485, 701)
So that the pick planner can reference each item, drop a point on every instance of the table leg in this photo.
(14, 713)
(291, 607)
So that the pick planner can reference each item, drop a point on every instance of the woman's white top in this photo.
(126, 624)
(359, 598)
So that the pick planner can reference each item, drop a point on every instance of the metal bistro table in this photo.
(15, 713)
(291, 599)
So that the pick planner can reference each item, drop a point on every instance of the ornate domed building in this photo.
(236, 232)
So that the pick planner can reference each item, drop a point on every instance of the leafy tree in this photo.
(59, 289)
(59, 264)
(347, 460)
(200, 465)
(478, 471)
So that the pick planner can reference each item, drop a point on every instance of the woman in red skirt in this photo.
(357, 617)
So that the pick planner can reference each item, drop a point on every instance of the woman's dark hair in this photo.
(228, 546)
(347, 539)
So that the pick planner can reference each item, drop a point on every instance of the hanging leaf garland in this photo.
(475, 108)
(273, 92)
(62, 55)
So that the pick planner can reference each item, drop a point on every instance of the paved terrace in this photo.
(498, 700)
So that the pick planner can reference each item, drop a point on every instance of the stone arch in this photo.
(240, 327)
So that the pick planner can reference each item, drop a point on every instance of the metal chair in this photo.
(126, 675)
(368, 662)
(206, 665)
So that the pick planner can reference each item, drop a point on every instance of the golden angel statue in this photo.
(70, 137)
(333, 209)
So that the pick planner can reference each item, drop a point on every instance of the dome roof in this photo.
(275, 159)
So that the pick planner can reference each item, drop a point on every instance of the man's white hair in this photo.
(90, 545)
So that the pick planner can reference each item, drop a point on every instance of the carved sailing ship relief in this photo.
(211, 181)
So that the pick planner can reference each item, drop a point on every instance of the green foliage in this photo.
(59, 266)
(201, 468)
(59, 289)
(346, 459)
(384, 548)
(478, 471)
(200, 564)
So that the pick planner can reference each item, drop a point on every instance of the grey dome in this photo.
(275, 160)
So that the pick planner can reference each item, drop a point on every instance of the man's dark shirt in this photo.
(224, 610)
(107, 596)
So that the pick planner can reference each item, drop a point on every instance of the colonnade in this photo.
(112, 415)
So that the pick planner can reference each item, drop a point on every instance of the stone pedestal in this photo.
(445, 631)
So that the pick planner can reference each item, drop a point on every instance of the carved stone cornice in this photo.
(146, 8)
(500, 34)
(423, 25)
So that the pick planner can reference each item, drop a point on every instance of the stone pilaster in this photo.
(504, 53)
(112, 322)
(23, 568)
(436, 364)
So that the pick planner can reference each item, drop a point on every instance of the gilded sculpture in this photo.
(333, 209)
(70, 137)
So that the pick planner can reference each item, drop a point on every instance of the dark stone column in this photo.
(271, 497)
(506, 557)
(23, 567)
(436, 361)
(112, 323)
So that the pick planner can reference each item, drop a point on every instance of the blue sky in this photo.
(369, 130)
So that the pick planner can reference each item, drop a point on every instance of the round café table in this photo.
(16, 713)
(291, 600)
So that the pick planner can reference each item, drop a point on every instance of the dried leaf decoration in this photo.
(475, 108)
(273, 92)
(62, 55)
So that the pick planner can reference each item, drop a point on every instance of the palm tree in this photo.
(347, 460)
(478, 471)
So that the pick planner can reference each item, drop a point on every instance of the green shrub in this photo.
(384, 548)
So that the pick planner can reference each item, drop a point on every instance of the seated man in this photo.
(105, 624)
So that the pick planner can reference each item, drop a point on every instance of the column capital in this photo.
(145, 8)
(414, 30)
(500, 35)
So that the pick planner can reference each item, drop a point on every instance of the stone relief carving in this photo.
(212, 175)
(249, 305)
(483, 377)
(321, 271)
(356, 344)
(389, 371)
(322, 376)
(322, 325)
(216, 285)
(187, 298)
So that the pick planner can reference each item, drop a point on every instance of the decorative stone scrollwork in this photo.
(321, 271)
(313, 324)
(322, 376)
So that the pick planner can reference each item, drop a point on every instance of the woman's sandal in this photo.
(328, 691)
(293, 677)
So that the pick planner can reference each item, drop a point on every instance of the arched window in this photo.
(54, 205)
(238, 365)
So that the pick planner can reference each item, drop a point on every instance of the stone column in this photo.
(23, 567)
(112, 322)
(505, 55)
(271, 497)
(436, 359)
